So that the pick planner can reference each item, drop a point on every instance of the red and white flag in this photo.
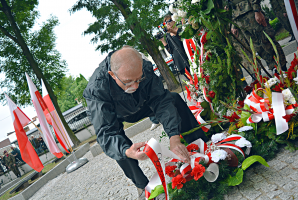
(293, 16)
(20, 120)
(54, 120)
(40, 106)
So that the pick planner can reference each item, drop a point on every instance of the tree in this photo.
(23, 50)
(72, 92)
(125, 22)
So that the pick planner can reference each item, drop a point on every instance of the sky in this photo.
(75, 48)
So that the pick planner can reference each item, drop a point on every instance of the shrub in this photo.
(276, 25)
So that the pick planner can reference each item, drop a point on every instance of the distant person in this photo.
(35, 143)
(16, 153)
(42, 144)
(11, 163)
(3, 162)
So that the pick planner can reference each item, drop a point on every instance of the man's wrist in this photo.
(257, 10)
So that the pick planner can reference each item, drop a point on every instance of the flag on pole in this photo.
(20, 120)
(54, 120)
(292, 15)
(40, 106)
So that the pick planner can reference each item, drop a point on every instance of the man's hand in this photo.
(235, 32)
(179, 149)
(14, 164)
(8, 167)
(285, 14)
(260, 18)
(135, 152)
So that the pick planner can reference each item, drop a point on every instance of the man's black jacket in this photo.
(109, 106)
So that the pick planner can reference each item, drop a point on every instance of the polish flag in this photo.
(292, 15)
(20, 120)
(54, 120)
(40, 106)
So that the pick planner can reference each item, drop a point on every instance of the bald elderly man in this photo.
(125, 88)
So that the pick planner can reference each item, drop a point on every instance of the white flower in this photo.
(218, 137)
(230, 112)
(194, 1)
(175, 17)
(245, 128)
(271, 81)
(181, 13)
(243, 143)
(292, 100)
(287, 94)
(296, 80)
(218, 155)
(172, 9)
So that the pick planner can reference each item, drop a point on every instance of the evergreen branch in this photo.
(231, 107)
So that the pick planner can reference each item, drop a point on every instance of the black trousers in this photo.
(131, 166)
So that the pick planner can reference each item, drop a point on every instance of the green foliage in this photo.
(223, 67)
(268, 12)
(237, 179)
(40, 42)
(276, 25)
(72, 92)
(113, 26)
(157, 191)
(252, 159)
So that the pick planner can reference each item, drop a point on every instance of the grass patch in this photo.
(282, 35)
(6, 195)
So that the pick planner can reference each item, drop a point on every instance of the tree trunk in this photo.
(21, 42)
(162, 66)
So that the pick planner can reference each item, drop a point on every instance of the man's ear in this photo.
(111, 74)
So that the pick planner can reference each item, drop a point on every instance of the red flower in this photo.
(189, 76)
(211, 94)
(248, 89)
(170, 170)
(188, 93)
(241, 103)
(207, 79)
(198, 171)
(288, 117)
(204, 39)
(276, 88)
(192, 147)
(232, 118)
(196, 81)
(207, 56)
(178, 181)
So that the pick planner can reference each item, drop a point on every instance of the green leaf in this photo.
(210, 5)
(245, 115)
(236, 180)
(252, 159)
(156, 191)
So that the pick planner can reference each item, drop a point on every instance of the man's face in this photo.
(128, 74)
(170, 23)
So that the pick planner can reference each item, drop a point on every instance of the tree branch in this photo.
(8, 34)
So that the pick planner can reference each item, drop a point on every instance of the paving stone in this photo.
(274, 193)
(280, 166)
(291, 185)
(248, 191)
(256, 178)
(287, 171)
(286, 196)
(236, 196)
(264, 197)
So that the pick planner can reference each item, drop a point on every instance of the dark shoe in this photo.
(292, 38)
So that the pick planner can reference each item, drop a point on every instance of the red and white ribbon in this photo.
(260, 106)
(196, 110)
(279, 111)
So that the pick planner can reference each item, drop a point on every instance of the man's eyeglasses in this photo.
(170, 20)
(132, 82)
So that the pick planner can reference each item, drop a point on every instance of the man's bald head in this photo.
(126, 57)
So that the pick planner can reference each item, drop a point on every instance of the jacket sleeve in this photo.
(255, 4)
(161, 103)
(108, 129)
